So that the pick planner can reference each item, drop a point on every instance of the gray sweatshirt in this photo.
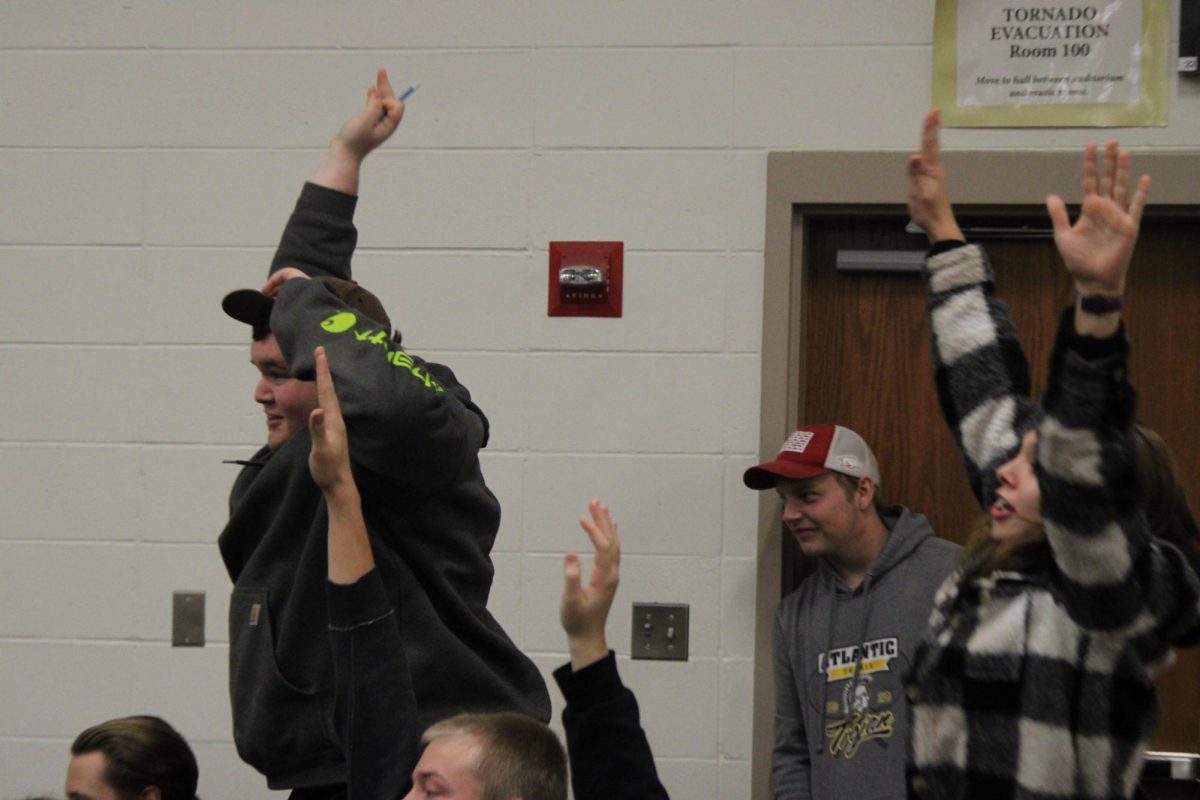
(841, 655)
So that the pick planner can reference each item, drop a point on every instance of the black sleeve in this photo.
(374, 704)
(607, 748)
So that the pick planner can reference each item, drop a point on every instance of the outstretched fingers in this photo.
(602, 531)
(931, 148)
(1058, 213)
(329, 458)
(326, 394)
(1138, 204)
(1108, 179)
(1120, 189)
(572, 585)
(1090, 181)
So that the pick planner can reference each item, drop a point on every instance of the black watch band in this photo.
(1099, 303)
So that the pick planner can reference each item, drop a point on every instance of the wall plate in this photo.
(660, 631)
(187, 619)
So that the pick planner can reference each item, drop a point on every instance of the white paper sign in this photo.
(1049, 51)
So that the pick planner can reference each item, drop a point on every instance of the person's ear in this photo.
(150, 793)
(864, 497)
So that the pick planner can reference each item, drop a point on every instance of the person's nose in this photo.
(262, 391)
(792, 510)
(1005, 472)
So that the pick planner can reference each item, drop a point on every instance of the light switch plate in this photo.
(660, 631)
(187, 619)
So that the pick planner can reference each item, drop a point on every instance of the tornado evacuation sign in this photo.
(1051, 63)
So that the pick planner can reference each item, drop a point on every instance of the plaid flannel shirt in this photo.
(1037, 682)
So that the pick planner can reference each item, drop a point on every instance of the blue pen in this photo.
(407, 94)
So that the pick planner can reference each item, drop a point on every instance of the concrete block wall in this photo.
(150, 154)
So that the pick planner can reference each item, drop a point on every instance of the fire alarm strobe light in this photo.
(585, 279)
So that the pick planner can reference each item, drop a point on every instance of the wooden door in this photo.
(867, 366)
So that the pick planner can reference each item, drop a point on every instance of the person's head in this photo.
(828, 480)
(286, 399)
(1015, 519)
(1012, 528)
(131, 758)
(498, 756)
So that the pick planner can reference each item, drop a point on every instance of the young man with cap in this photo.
(844, 639)
(430, 516)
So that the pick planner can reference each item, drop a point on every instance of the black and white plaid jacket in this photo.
(1037, 682)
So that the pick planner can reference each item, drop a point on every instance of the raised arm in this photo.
(608, 751)
(320, 236)
(1111, 572)
(375, 706)
(358, 136)
(981, 372)
(329, 462)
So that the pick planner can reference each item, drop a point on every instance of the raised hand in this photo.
(1097, 249)
(329, 459)
(349, 547)
(584, 609)
(378, 120)
(928, 198)
(358, 136)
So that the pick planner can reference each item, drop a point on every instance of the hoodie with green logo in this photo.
(415, 436)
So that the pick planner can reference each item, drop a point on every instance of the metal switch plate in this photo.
(187, 619)
(660, 630)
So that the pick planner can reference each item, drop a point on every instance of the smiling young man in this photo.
(845, 637)
(430, 515)
(285, 400)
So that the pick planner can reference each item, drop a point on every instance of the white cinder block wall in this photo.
(150, 153)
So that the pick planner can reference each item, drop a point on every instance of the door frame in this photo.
(804, 183)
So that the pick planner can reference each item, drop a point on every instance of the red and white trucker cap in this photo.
(814, 450)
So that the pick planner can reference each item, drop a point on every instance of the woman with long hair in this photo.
(1035, 679)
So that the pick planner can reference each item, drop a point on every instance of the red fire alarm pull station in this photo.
(585, 279)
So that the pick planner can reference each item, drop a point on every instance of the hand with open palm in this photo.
(1098, 248)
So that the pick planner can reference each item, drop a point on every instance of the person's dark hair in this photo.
(850, 486)
(139, 752)
(518, 756)
(1168, 512)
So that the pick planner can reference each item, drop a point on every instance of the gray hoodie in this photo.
(841, 654)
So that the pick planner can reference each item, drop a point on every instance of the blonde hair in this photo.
(517, 757)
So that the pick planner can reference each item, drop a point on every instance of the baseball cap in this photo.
(814, 450)
(254, 308)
